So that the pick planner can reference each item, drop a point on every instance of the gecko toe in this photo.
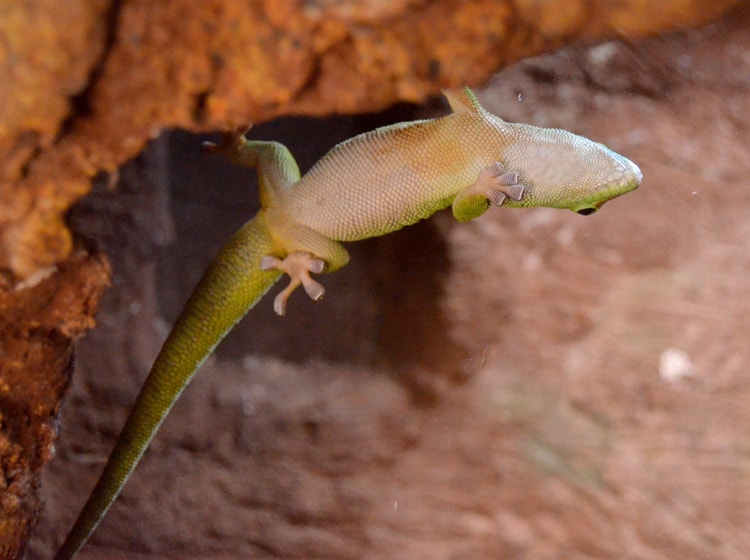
(279, 303)
(269, 262)
(516, 191)
(316, 266)
(496, 169)
(508, 178)
(314, 289)
(497, 197)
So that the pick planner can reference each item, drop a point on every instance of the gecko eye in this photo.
(586, 211)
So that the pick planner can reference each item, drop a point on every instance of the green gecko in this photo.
(367, 186)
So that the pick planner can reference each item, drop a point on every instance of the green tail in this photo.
(231, 285)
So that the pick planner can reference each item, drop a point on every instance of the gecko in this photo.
(367, 186)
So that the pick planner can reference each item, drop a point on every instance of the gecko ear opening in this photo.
(586, 211)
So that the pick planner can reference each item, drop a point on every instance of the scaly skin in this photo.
(370, 185)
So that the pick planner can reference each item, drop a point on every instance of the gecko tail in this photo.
(232, 285)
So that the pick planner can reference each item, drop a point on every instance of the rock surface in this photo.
(37, 326)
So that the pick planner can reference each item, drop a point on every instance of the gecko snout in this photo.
(627, 178)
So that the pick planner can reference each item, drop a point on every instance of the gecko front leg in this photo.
(493, 185)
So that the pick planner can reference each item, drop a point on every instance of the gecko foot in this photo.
(231, 141)
(297, 266)
(497, 184)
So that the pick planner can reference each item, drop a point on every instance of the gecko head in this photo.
(623, 177)
(560, 169)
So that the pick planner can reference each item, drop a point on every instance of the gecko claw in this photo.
(297, 266)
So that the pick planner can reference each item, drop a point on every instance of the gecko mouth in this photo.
(627, 179)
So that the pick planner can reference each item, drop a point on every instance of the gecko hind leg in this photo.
(303, 251)
(297, 266)
(231, 141)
